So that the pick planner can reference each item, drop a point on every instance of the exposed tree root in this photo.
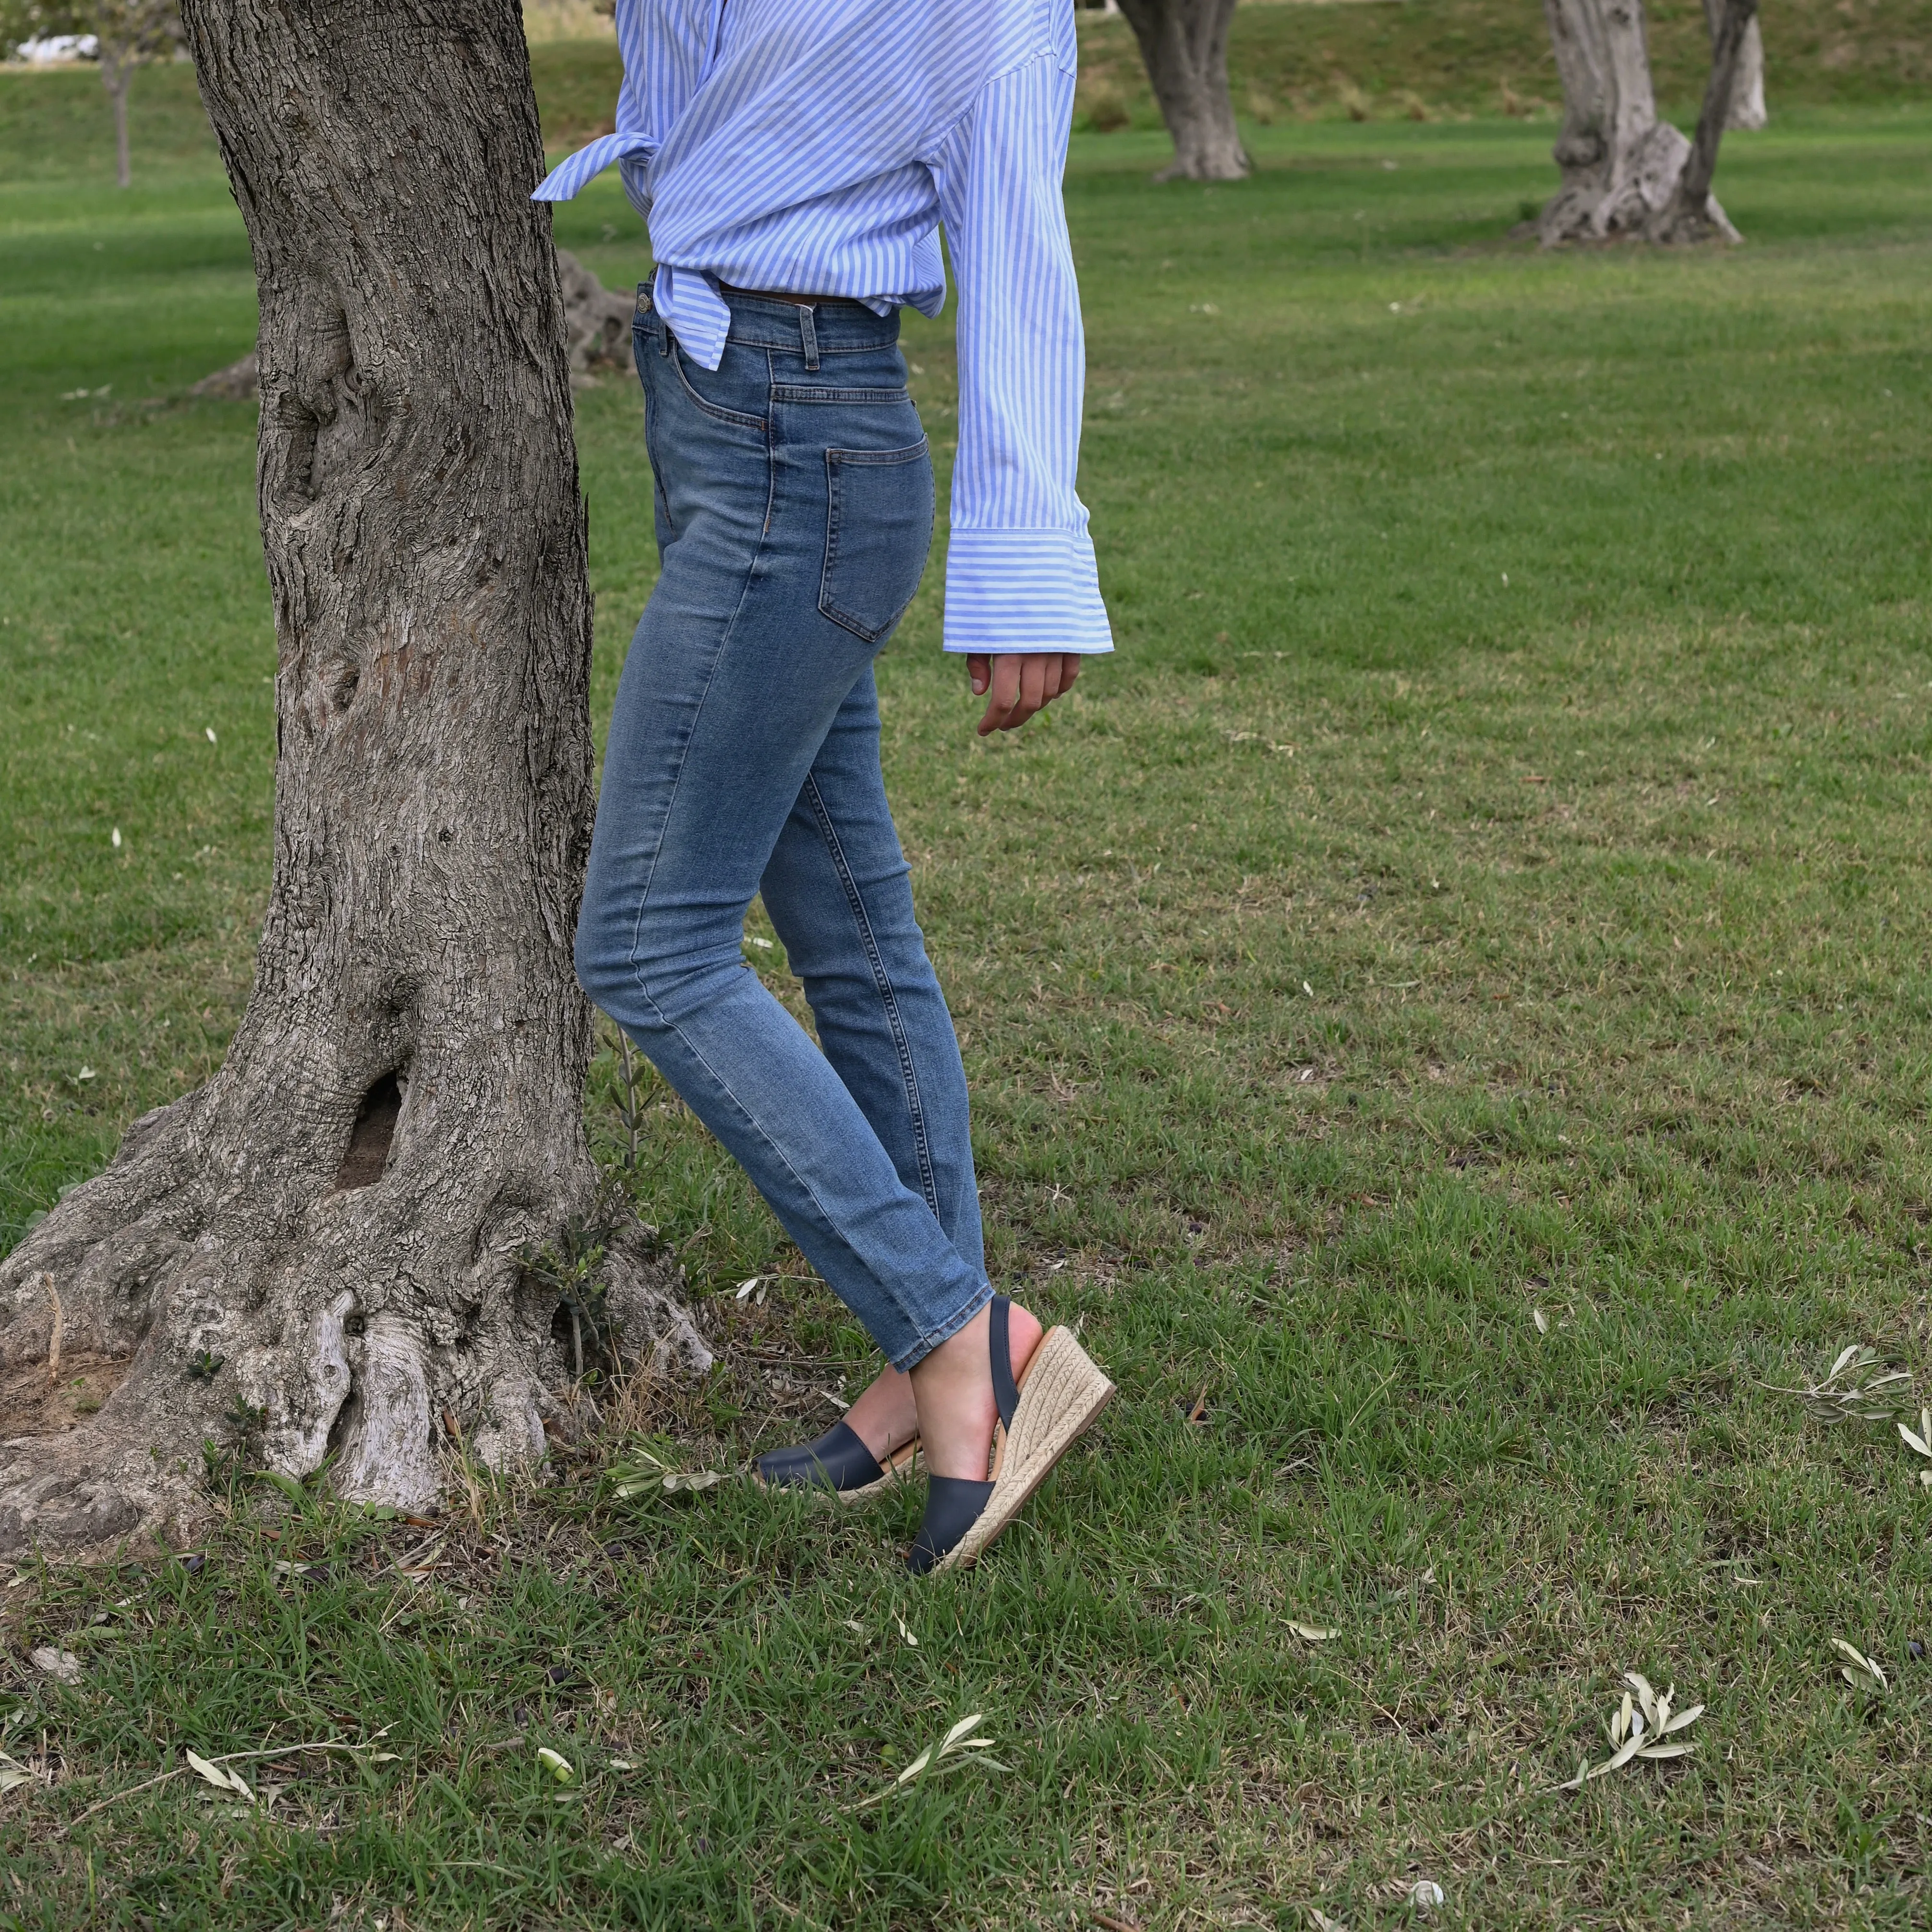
(367, 1327)
(1631, 196)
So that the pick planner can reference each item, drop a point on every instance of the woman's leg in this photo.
(734, 682)
(838, 889)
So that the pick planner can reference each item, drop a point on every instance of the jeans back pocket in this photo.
(878, 529)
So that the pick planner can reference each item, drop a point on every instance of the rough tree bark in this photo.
(1689, 217)
(1748, 110)
(1621, 164)
(325, 1240)
(1184, 43)
(597, 321)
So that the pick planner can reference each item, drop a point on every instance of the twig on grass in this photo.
(1393, 1719)
(1850, 1392)
(227, 1757)
(940, 1757)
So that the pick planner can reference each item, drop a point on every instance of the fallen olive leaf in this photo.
(681, 1480)
(959, 1739)
(1642, 1721)
(1859, 1670)
(218, 1775)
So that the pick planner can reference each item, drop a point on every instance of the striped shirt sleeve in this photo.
(1020, 573)
(664, 45)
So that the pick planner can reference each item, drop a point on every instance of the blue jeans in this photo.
(794, 513)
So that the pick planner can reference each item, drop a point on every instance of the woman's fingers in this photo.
(1033, 692)
(1019, 683)
(1003, 693)
(978, 674)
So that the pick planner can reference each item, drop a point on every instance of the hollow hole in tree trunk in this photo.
(346, 1418)
(371, 1138)
(566, 1331)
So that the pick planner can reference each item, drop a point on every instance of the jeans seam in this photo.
(804, 392)
(736, 419)
(908, 1072)
(949, 1326)
(928, 1340)
(684, 749)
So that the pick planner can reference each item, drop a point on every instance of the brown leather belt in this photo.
(796, 300)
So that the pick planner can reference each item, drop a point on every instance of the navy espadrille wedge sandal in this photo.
(1043, 1412)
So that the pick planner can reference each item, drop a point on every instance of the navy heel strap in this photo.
(1006, 1391)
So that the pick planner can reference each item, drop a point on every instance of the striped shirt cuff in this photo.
(1024, 590)
(567, 180)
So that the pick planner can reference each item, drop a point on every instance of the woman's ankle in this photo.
(886, 1416)
(954, 1388)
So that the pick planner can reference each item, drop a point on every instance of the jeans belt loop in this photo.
(807, 329)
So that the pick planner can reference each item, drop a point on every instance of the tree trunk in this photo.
(1692, 215)
(1184, 43)
(1747, 110)
(116, 77)
(1620, 163)
(327, 1243)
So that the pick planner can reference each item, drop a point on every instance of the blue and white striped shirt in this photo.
(815, 146)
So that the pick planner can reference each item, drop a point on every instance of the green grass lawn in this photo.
(1448, 1004)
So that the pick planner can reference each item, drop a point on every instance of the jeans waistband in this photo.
(825, 327)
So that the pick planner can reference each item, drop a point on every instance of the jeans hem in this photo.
(945, 1332)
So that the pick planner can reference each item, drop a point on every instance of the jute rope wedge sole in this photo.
(1058, 1395)
(898, 1466)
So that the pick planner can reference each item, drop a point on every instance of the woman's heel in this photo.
(1053, 1404)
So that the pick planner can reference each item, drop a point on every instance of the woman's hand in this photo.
(1020, 683)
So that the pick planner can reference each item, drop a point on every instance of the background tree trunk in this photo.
(340, 1219)
(1621, 164)
(1747, 110)
(128, 33)
(1692, 215)
(115, 76)
(1184, 43)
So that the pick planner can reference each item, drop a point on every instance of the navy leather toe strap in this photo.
(838, 1460)
(1006, 1391)
(953, 1504)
